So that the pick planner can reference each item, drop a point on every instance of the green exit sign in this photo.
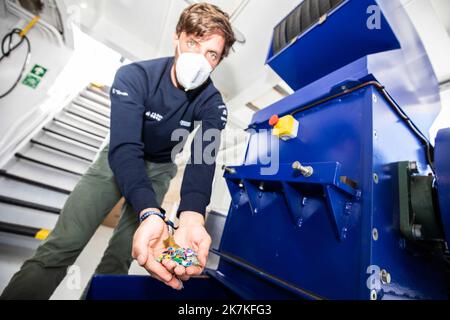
(35, 76)
(31, 81)
(39, 71)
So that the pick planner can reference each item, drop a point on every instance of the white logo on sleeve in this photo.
(119, 93)
(224, 116)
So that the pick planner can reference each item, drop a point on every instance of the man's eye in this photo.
(191, 43)
(213, 55)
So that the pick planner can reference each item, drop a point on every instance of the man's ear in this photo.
(175, 40)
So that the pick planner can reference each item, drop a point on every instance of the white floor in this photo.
(14, 250)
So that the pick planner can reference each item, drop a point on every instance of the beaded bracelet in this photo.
(152, 213)
(159, 214)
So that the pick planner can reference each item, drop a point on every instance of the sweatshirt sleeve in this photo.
(126, 148)
(199, 173)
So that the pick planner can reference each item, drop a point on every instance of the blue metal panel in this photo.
(362, 133)
(106, 287)
(342, 39)
(393, 54)
(352, 72)
(288, 182)
(240, 277)
(414, 273)
(442, 164)
(310, 257)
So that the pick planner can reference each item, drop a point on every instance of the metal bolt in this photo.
(304, 201)
(241, 184)
(229, 170)
(375, 133)
(374, 98)
(385, 276)
(375, 178)
(348, 208)
(299, 222)
(375, 234)
(373, 295)
(261, 186)
(305, 171)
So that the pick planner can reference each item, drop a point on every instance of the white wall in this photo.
(19, 108)
(26, 109)
(443, 120)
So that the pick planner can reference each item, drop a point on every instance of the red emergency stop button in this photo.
(274, 120)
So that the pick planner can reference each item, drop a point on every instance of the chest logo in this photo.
(154, 116)
(185, 124)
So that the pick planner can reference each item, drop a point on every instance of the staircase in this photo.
(36, 182)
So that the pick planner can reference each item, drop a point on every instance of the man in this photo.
(149, 100)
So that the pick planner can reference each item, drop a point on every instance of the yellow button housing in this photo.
(286, 128)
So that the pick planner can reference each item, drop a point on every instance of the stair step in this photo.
(54, 158)
(40, 173)
(99, 92)
(66, 146)
(93, 106)
(82, 117)
(40, 184)
(29, 205)
(27, 217)
(90, 95)
(81, 124)
(74, 134)
(11, 188)
(37, 233)
(88, 115)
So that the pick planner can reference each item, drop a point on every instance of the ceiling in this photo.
(143, 29)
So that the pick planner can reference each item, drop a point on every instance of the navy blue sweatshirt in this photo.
(146, 108)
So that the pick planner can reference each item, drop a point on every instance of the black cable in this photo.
(7, 49)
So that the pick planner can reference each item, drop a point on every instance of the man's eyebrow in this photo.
(198, 40)
(212, 50)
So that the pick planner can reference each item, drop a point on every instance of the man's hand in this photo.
(148, 244)
(191, 233)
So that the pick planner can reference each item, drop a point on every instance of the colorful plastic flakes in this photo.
(185, 257)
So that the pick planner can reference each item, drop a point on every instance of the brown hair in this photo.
(205, 19)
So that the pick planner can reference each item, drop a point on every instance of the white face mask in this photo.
(192, 69)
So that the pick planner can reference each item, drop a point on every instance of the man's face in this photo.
(211, 46)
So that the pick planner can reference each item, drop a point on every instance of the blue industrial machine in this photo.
(341, 194)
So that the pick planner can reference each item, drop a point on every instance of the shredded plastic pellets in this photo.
(185, 257)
